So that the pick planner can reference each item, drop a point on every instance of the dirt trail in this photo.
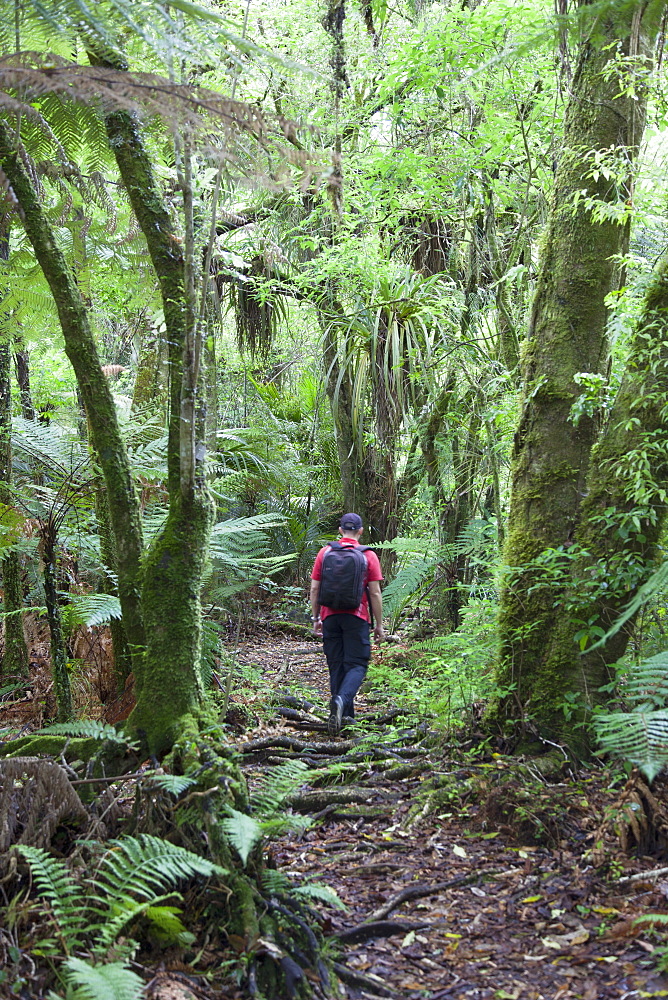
(484, 913)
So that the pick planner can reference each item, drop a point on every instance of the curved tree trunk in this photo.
(100, 408)
(567, 335)
(169, 691)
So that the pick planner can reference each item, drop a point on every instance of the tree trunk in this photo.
(566, 336)
(22, 362)
(170, 693)
(122, 653)
(61, 677)
(82, 353)
(15, 661)
(617, 541)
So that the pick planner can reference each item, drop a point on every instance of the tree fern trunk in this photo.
(22, 362)
(61, 677)
(15, 660)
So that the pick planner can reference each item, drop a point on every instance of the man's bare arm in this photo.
(376, 598)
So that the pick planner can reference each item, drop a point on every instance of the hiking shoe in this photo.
(335, 716)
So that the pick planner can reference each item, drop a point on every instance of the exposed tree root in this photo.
(320, 799)
(379, 928)
(356, 979)
(419, 892)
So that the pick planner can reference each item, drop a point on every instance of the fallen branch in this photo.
(420, 892)
(352, 978)
(289, 743)
(379, 928)
(644, 876)
(320, 799)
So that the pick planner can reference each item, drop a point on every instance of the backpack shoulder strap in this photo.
(334, 545)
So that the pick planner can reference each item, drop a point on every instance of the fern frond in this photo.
(242, 831)
(407, 584)
(640, 737)
(88, 729)
(90, 610)
(275, 883)
(323, 893)
(167, 922)
(111, 981)
(55, 884)
(647, 682)
(652, 586)
(176, 784)
(132, 873)
(276, 786)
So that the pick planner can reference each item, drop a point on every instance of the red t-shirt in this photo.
(373, 573)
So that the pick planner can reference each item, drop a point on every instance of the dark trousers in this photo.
(345, 640)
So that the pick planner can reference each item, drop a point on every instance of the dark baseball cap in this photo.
(351, 522)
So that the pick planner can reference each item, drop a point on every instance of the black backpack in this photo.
(343, 572)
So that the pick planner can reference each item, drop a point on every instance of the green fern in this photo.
(111, 981)
(134, 876)
(65, 897)
(647, 682)
(176, 784)
(274, 788)
(640, 735)
(90, 610)
(242, 831)
(275, 883)
(130, 877)
(323, 893)
(89, 729)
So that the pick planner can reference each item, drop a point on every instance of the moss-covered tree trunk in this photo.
(622, 517)
(567, 335)
(169, 693)
(93, 385)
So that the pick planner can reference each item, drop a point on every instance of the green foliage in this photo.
(130, 878)
(87, 729)
(111, 981)
(243, 832)
(275, 883)
(268, 817)
(90, 610)
(640, 735)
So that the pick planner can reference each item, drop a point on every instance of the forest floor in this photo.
(463, 871)
(460, 878)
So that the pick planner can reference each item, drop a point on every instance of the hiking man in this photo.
(341, 588)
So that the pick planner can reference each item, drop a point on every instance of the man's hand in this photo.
(379, 632)
(317, 627)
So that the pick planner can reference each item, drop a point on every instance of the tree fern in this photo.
(90, 610)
